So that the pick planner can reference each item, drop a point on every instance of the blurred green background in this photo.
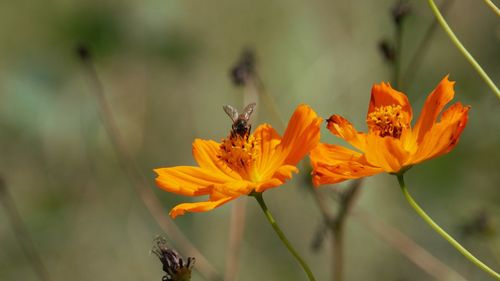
(164, 68)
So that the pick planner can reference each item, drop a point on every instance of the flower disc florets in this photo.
(238, 152)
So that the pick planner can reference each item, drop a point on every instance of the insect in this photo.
(241, 127)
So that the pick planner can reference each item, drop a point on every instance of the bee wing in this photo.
(231, 112)
(247, 111)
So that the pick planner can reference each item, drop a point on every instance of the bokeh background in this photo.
(164, 69)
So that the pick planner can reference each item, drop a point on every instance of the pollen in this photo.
(238, 152)
(387, 121)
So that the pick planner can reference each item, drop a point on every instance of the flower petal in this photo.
(384, 95)
(444, 135)
(330, 152)
(342, 128)
(267, 159)
(205, 152)
(301, 135)
(198, 206)
(232, 189)
(433, 105)
(187, 180)
(280, 177)
(386, 152)
(333, 163)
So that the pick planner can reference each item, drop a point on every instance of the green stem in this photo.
(443, 233)
(493, 7)
(281, 235)
(462, 49)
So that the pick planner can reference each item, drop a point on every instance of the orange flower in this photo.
(391, 144)
(240, 165)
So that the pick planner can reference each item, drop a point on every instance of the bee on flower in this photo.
(242, 163)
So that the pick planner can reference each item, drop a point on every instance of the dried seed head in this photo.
(400, 11)
(176, 269)
(244, 68)
(83, 52)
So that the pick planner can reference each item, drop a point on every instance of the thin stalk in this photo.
(268, 100)
(346, 203)
(281, 235)
(399, 51)
(22, 233)
(492, 6)
(407, 247)
(338, 253)
(137, 178)
(417, 58)
(236, 231)
(336, 223)
(443, 233)
(462, 49)
(238, 210)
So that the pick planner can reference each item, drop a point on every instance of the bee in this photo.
(241, 126)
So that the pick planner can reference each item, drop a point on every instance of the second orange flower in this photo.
(391, 144)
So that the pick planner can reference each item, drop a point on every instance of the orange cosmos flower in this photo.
(391, 144)
(241, 164)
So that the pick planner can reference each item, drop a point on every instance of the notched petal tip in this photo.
(434, 104)
(175, 212)
(342, 128)
(339, 126)
(197, 207)
(443, 136)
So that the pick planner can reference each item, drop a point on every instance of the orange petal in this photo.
(186, 180)
(386, 152)
(328, 153)
(232, 189)
(268, 158)
(280, 177)
(342, 128)
(444, 135)
(205, 152)
(198, 206)
(301, 135)
(433, 105)
(384, 95)
(333, 163)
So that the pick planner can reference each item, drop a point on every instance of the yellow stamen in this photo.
(388, 120)
(238, 152)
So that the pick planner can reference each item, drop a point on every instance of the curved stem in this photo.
(443, 233)
(462, 49)
(282, 236)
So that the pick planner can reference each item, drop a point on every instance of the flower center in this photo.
(388, 120)
(238, 152)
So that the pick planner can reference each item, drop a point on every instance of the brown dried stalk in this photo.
(22, 233)
(137, 178)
